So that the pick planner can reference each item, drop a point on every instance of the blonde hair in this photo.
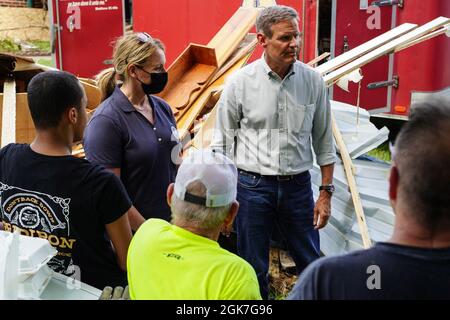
(128, 50)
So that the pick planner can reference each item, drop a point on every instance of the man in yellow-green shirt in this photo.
(183, 260)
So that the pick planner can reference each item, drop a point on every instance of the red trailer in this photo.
(82, 33)
(329, 25)
(417, 72)
(180, 22)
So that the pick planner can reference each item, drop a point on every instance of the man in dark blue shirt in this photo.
(415, 263)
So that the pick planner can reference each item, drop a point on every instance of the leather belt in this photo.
(274, 177)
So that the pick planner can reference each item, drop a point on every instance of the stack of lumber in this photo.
(393, 41)
(16, 72)
(200, 71)
(198, 74)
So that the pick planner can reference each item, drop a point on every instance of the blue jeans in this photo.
(266, 202)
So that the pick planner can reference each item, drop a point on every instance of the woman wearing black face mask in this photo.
(132, 132)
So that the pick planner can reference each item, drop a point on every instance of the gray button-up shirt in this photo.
(266, 123)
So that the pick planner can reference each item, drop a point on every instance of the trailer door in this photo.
(353, 23)
(83, 32)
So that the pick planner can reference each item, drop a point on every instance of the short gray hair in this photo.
(422, 151)
(198, 215)
(273, 15)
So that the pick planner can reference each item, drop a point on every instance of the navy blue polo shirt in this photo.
(119, 136)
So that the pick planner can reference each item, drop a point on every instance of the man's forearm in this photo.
(135, 218)
(327, 174)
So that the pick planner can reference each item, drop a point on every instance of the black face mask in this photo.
(159, 82)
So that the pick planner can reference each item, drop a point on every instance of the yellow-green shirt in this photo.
(166, 262)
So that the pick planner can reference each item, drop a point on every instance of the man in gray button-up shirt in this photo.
(268, 115)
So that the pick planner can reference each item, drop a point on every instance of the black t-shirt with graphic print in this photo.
(67, 201)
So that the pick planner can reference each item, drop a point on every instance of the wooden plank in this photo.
(203, 138)
(9, 113)
(429, 36)
(386, 49)
(228, 38)
(316, 60)
(93, 94)
(364, 48)
(247, 46)
(25, 66)
(186, 79)
(21, 85)
(349, 171)
(78, 151)
(188, 86)
(21, 63)
(187, 120)
(25, 63)
(44, 67)
(25, 131)
(24, 126)
(187, 74)
(88, 80)
(20, 58)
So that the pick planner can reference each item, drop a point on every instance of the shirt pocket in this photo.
(300, 118)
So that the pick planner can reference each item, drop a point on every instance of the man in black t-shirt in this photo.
(415, 262)
(80, 208)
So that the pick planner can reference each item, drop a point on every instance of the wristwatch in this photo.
(328, 188)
